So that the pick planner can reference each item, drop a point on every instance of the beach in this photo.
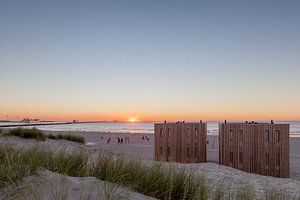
(140, 147)
(144, 149)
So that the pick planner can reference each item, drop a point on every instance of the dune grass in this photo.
(40, 136)
(72, 138)
(28, 133)
(16, 164)
(155, 180)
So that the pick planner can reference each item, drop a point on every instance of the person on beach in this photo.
(121, 140)
(126, 140)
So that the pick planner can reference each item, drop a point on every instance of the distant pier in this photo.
(49, 124)
(39, 124)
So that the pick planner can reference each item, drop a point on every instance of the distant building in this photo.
(180, 142)
(25, 120)
(261, 148)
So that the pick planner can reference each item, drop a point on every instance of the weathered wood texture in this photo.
(180, 142)
(260, 148)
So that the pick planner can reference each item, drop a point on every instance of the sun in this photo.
(133, 119)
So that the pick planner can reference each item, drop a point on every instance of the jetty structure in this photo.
(261, 148)
(180, 142)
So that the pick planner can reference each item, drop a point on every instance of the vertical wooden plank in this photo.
(254, 148)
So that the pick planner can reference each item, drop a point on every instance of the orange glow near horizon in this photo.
(133, 119)
(154, 113)
(169, 116)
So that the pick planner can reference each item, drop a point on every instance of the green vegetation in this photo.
(276, 193)
(73, 138)
(16, 164)
(39, 135)
(28, 133)
(155, 180)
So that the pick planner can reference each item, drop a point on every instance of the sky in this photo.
(150, 60)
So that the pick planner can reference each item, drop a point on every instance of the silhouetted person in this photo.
(272, 122)
(165, 121)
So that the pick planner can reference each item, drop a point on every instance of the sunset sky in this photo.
(150, 60)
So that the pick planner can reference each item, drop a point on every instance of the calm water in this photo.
(139, 127)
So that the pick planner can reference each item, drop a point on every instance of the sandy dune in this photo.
(49, 185)
(143, 149)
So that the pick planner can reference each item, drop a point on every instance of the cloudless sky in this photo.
(150, 59)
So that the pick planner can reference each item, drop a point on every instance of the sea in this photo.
(136, 127)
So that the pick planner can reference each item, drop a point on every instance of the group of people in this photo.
(120, 140)
(145, 138)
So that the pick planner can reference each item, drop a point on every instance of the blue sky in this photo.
(150, 59)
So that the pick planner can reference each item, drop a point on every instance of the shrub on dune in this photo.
(50, 136)
(72, 138)
(28, 133)
(75, 138)
(39, 135)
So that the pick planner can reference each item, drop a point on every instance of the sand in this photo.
(143, 149)
(48, 185)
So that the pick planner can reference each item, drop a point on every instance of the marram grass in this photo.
(155, 180)
(39, 135)
(72, 138)
(28, 133)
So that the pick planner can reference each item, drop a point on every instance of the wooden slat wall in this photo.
(254, 148)
(180, 141)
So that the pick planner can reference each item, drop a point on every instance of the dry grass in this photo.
(27, 133)
(40, 136)
(72, 138)
(155, 180)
